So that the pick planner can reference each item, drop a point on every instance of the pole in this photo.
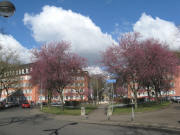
(97, 91)
(132, 113)
(112, 97)
(41, 96)
(132, 116)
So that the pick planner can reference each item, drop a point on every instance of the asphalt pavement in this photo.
(18, 121)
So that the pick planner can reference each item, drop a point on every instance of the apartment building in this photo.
(22, 90)
(172, 93)
(79, 89)
(17, 86)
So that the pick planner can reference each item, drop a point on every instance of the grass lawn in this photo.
(89, 108)
(68, 111)
(142, 108)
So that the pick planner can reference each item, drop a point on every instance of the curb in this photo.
(157, 127)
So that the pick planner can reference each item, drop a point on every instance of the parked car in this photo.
(56, 104)
(44, 103)
(2, 105)
(16, 104)
(176, 99)
(25, 105)
(9, 104)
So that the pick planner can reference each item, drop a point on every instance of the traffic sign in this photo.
(111, 81)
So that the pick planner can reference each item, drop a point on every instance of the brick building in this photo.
(22, 90)
(172, 93)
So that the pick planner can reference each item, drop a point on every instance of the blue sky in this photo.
(112, 17)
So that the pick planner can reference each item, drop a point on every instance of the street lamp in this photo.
(7, 8)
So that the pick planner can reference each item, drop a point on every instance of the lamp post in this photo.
(7, 8)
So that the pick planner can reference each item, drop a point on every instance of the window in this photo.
(21, 78)
(172, 84)
(27, 70)
(81, 90)
(77, 97)
(13, 73)
(82, 97)
(24, 91)
(82, 84)
(10, 73)
(29, 98)
(19, 72)
(23, 71)
(27, 90)
(27, 77)
(16, 72)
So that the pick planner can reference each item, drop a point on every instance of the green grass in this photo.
(89, 108)
(68, 111)
(147, 107)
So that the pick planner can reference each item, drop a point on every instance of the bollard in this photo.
(41, 106)
(109, 112)
(83, 113)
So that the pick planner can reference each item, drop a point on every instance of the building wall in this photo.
(177, 83)
(79, 89)
(29, 93)
(174, 91)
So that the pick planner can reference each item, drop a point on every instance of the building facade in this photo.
(19, 89)
(171, 93)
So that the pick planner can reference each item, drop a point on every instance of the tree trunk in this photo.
(149, 97)
(135, 99)
(7, 95)
(135, 103)
(0, 93)
(49, 97)
(156, 93)
(61, 96)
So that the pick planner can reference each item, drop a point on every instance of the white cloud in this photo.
(95, 70)
(9, 44)
(158, 28)
(56, 24)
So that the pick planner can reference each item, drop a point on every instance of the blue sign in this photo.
(111, 81)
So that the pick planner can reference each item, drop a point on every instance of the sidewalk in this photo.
(168, 118)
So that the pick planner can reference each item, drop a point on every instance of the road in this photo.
(17, 121)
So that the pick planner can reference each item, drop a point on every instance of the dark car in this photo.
(2, 106)
(44, 103)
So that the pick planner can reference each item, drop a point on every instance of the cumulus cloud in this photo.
(95, 70)
(160, 29)
(10, 45)
(57, 24)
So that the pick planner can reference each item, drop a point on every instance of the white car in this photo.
(56, 104)
(8, 104)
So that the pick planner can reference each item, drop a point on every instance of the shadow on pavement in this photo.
(177, 107)
(35, 119)
(55, 131)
